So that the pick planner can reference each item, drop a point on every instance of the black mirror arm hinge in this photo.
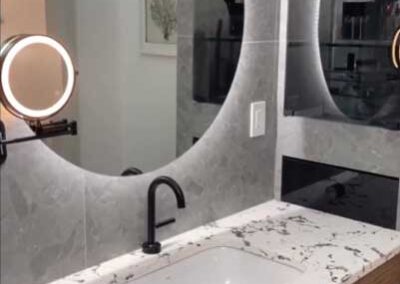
(42, 131)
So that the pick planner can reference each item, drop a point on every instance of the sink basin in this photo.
(223, 265)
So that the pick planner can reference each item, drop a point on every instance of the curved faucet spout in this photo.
(180, 198)
(151, 246)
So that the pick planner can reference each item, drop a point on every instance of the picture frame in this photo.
(158, 37)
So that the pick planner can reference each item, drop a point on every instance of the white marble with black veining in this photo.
(326, 248)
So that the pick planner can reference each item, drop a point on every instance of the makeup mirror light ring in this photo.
(396, 49)
(8, 54)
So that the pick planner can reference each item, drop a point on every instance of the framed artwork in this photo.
(159, 27)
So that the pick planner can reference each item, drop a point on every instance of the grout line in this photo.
(283, 26)
(398, 211)
(243, 41)
(185, 36)
(274, 41)
(85, 249)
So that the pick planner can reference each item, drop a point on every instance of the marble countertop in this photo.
(328, 249)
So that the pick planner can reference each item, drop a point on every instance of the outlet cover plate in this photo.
(257, 119)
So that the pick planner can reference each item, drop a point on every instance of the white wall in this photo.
(22, 16)
(126, 100)
(60, 15)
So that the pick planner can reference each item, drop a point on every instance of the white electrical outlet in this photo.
(257, 119)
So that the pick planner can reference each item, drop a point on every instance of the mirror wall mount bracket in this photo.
(41, 131)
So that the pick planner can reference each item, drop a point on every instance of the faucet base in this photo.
(151, 248)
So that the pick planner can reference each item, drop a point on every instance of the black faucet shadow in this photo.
(132, 171)
(151, 246)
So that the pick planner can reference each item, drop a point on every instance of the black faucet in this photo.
(151, 246)
(132, 171)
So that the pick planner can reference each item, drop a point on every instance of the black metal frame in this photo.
(3, 147)
(42, 131)
(151, 246)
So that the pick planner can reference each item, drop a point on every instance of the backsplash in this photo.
(57, 219)
(345, 192)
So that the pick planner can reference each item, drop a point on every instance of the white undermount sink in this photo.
(223, 265)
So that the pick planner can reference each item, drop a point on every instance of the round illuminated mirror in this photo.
(359, 49)
(27, 90)
(149, 85)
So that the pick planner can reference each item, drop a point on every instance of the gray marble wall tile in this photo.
(57, 218)
(260, 26)
(193, 118)
(261, 19)
(42, 206)
(237, 174)
(185, 10)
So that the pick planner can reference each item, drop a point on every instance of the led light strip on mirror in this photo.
(396, 49)
(8, 54)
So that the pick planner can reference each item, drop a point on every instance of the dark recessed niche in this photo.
(345, 192)
(217, 44)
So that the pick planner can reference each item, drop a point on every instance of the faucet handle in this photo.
(165, 223)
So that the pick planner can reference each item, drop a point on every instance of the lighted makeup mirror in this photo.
(28, 92)
(396, 49)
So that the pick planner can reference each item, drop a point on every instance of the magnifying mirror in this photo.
(396, 49)
(37, 81)
(26, 62)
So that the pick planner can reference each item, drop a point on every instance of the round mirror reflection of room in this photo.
(131, 111)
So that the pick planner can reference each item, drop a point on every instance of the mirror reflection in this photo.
(29, 75)
(339, 61)
(136, 99)
(356, 55)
